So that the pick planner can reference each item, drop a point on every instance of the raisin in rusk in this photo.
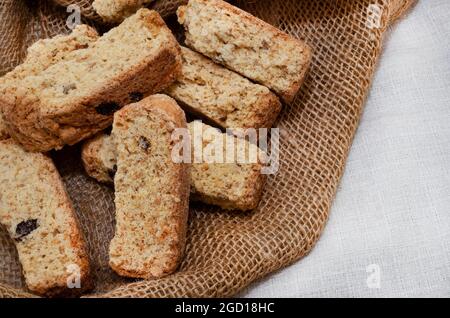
(38, 215)
(231, 185)
(76, 97)
(151, 190)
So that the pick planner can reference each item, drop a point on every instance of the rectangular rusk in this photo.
(246, 45)
(43, 54)
(76, 97)
(221, 96)
(151, 191)
(38, 215)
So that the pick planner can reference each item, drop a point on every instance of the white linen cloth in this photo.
(389, 230)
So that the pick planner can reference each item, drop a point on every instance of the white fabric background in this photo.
(393, 205)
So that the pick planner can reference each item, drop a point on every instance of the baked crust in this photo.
(40, 56)
(99, 159)
(49, 282)
(42, 123)
(230, 39)
(174, 201)
(4, 134)
(221, 96)
(115, 11)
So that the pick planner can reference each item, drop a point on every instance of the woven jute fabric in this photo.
(227, 251)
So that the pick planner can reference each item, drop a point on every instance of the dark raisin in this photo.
(107, 108)
(144, 143)
(265, 45)
(82, 46)
(223, 118)
(136, 96)
(68, 88)
(25, 227)
(112, 172)
(108, 130)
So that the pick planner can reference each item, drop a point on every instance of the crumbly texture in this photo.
(223, 97)
(3, 129)
(232, 186)
(38, 214)
(115, 11)
(41, 55)
(151, 191)
(246, 44)
(99, 159)
(47, 52)
(236, 184)
(75, 98)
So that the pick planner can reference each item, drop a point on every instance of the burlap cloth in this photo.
(227, 251)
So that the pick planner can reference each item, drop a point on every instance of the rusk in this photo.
(221, 96)
(151, 191)
(246, 44)
(235, 184)
(99, 158)
(115, 11)
(41, 55)
(39, 216)
(75, 98)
